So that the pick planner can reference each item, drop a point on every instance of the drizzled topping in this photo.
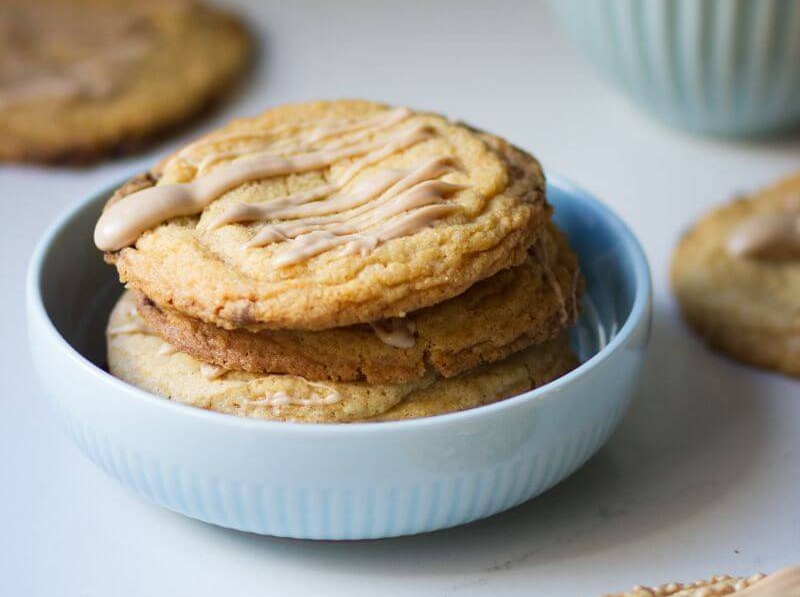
(768, 237)
(397, 332)
(322, 396)
(166, 350)
(210, 371)
(133, 327)
(249, 142)
(354, 214)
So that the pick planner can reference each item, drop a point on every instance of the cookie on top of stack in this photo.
(337, 262)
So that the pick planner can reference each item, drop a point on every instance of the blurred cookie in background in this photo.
(736, 275)
(85, 79)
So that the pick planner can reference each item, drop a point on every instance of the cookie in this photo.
(83, 79)
(517, 307)
(531, 368)
(327, 214)
(783, 583)
(713, 587)
(141, 358)
(736, 275)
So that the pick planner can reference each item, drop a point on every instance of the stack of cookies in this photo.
(337, 262)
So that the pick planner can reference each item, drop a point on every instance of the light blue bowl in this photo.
(724, 67)
(353, 481)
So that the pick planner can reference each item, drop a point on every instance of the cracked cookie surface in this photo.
(524, 305)
(486, 201)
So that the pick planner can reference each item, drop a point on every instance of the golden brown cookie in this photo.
(326, 214)
(82, 79)
(140, 357)
(736, 275)
(531, 368)
(784, 583)
(528, 304)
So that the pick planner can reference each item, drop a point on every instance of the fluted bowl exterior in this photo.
(722, 67)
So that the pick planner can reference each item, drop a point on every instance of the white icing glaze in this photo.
(360, 219)
(326, 397)
(396, 331)
(123, 222)
(255, 139)
(211, 372)
(166, 350)
(774, 236)
(415, 209)
(133, 327)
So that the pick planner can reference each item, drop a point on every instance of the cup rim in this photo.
(639, 311)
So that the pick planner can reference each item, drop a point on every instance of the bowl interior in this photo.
(78, 289)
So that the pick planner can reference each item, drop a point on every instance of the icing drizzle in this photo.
(210, 371)
(166, 350)
(768, 237)
(133, 327)
(388, 204)
(397, 332)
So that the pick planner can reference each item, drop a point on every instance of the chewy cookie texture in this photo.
(337, 262)
(268, 253)
(142, 358)
(83, 79)
(448, 338)
(736, 275)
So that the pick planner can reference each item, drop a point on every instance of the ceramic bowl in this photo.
(723, 67)
(352, 481)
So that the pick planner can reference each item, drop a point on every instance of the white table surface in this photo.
(703, 476)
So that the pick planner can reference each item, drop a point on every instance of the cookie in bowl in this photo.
(140, 357)
(339, 262)
(736, 275)
(325, 214)
(85, 79)
(530, 303)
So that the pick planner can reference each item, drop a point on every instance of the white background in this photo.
(703, 477)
